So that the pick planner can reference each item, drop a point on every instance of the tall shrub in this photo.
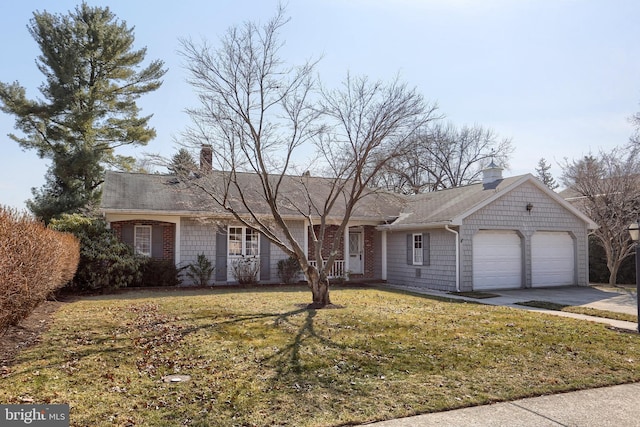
(200, 271)
(105, 262)
(289, 270)
(34, 262)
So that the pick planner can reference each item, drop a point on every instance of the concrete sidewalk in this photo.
(609, 406)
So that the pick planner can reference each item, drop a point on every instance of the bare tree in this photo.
(445, 156)
(607, 189)
(257, 112)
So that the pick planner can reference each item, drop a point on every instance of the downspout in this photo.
(446, 227)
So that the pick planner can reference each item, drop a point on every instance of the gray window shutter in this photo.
(410, 249)
(265, 258)
(426, 249)
(156, 242)
(127, 234)
(221, 255)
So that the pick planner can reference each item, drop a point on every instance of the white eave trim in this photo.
(415, 226)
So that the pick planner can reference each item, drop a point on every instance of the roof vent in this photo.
(491, 174)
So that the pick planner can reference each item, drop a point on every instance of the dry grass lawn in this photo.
(258, 357)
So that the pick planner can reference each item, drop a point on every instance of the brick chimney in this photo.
(206, 157)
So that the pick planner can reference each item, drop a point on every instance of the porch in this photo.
(337, 269)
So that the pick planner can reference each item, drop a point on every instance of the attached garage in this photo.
(552, 259)
(497, 260)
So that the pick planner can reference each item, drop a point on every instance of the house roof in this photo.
(452, 206)
(166, 194)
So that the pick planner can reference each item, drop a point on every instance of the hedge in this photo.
(34, 262)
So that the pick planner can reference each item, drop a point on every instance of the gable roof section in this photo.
(164, 194)
(452, 206)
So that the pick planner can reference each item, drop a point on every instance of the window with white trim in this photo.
(243, 241)
(142, 240)
(417, 249)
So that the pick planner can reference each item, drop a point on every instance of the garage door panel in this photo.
(497, 260)
(552, 259)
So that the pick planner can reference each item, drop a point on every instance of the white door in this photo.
(243, 253)
(497, 260)
(356, 259)
(552, 259)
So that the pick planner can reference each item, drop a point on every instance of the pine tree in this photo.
(545, 176)
(182, 163)
(88, 106)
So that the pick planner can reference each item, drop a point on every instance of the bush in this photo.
(34, 262)
(155, 272)
(245, 270)
(200, 271)
(289, 270)
(105, 262)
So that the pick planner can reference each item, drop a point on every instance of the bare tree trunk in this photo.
(613, 273)
(319, 285)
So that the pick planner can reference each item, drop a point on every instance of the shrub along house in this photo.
(502, 233)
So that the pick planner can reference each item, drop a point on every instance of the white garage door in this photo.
(497, 260)
(552, 259)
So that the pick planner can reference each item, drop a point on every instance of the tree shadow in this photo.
(286, 360)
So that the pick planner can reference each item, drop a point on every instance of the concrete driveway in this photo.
(600, 297)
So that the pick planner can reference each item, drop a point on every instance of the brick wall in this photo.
(329, 235)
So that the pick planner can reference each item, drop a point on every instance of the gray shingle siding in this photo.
(509, 213)
(199, 236)
(440, 274)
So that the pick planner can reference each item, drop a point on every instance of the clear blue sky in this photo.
(559, 77)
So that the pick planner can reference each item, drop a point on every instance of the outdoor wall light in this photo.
(529, 207)
(634, 231)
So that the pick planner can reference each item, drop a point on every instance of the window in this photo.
(235, 240)
(244, 241)
(251, 240)
(417, 249)
(142, 240)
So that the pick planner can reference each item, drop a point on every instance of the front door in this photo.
(356, 259)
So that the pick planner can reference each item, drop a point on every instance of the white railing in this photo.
(337, 269)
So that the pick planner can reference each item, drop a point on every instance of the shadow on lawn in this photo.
(152, 331)
(132, 338)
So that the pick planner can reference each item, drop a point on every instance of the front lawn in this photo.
(260, 358)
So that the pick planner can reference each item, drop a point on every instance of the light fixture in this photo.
(634, 231)
(529, 207)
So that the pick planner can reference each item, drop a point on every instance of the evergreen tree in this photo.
(88, 106)
(545, 176)
(182, 163)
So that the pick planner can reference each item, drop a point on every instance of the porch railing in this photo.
(337, 269)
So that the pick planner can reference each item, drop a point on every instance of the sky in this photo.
(560, 78)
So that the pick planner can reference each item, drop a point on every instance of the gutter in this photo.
(413, 226)
(446, 227)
